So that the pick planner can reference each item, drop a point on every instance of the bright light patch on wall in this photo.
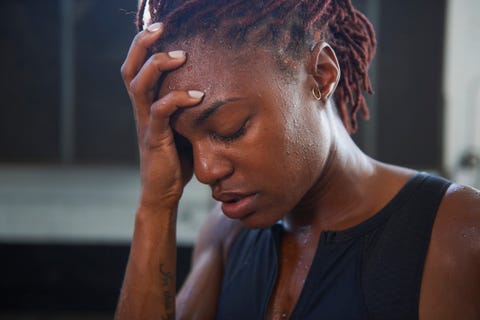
(50, 204)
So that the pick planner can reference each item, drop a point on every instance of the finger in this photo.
(163, 109)
(138, 51)
(142, 88)
(185, 153)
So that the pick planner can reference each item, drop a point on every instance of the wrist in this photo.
(156, 217)
(154, 232)
(158, 202)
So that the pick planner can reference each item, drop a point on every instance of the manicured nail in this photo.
(196, 94)
(177, 54)
(154, 27)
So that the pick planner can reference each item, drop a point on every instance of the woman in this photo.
(258, 99)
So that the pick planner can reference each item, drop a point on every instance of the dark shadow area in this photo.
(68, 277)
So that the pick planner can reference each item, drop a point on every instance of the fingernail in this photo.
(178, 54)
(195, 94)
(154, 27)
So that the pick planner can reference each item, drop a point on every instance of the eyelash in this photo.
(240, 132)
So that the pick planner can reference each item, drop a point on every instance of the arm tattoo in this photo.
(167, 294)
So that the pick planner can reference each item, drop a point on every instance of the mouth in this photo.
(229, 197)
(237, 206)
(235, 200)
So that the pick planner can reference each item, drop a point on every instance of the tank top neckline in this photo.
(379, 218)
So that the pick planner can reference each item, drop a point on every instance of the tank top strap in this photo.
(394, 255)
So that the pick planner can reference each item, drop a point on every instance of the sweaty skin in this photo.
(269, 151)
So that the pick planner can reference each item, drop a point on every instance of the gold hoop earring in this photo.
(317, 94)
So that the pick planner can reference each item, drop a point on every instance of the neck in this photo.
(340, 196)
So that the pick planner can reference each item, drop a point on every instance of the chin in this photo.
(259, 220)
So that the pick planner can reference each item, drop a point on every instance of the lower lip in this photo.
(239, 209)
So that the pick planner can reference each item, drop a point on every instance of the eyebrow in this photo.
(207, 113)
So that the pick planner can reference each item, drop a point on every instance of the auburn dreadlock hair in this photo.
(291, 24)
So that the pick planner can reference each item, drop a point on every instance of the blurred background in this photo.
(69, 176)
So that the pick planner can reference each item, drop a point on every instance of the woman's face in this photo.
(259, 138)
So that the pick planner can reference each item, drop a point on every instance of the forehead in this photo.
(222, 73)
(214, 68)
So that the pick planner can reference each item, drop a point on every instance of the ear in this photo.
(324, 69)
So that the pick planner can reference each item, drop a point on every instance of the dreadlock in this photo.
(296, 21)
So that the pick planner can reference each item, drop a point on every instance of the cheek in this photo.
(277, 154)
(262, 157)
(307, 148)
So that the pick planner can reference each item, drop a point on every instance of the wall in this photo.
(462, 87)
(409, 96)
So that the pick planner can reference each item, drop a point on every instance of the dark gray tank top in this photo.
(370, 271)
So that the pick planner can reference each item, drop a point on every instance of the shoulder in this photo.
(451, 277)
(218, 233)
(462, 197)
(458, 219)
(199, 295)
(457, 225)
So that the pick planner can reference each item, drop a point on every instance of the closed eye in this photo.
(232, 137)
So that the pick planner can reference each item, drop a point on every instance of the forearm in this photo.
(148, 290)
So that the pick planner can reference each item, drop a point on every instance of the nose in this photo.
(210, 164)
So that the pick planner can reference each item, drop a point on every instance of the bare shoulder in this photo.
(198, 297)
(462, 196)
(457, 226)
(451, 278)
(458, 217)
(219, 232)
